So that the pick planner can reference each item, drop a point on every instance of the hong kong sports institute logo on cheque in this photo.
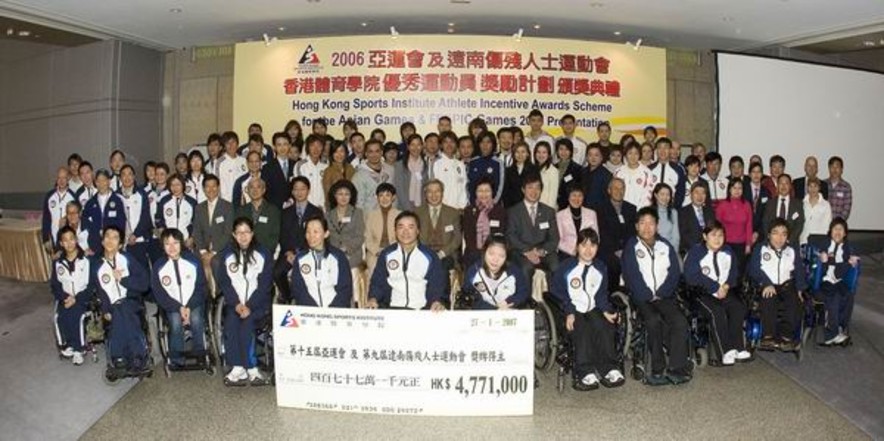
(309, 61)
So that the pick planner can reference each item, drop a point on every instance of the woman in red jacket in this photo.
(735, 213)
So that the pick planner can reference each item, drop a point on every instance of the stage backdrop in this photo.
(382, 82)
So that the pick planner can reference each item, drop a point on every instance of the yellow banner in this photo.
(382, 82)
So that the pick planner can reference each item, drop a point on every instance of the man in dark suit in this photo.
(440, 225)
(291, 233)
(278, 171)
(811, 169)
(212, 223)
(693, 218)
(786, 207)
(532, 232)
(616, 224)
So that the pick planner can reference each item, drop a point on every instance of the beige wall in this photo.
(690, 91)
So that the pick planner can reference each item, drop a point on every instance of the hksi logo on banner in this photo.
(309, 62)
(289, 320)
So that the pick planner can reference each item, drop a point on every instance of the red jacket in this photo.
(736, 216)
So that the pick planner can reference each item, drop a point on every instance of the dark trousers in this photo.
(739, 250)
(127, 340)
(780, 313)
(281, 278)
(176, 334)
(839, 306)
(70, 324)
(140, 252)
(725, 321)
(239, 338)
(548, 263)
(665, 324)
(594, 346)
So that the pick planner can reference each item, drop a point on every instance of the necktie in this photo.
(434, 217)
(662, 172)
(755, 198)
(782, 212)
(533, 213)
(285, 170)
(211, 209)
(700, 218)
(715, 265)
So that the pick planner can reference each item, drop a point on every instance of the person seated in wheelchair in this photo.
(120, 282)
(580, 285)
(321, 273)
(651, 272)
(837, 259)
(776, 267)
(244, 273)
(178, 284)
(71, 287)
(491, 282)
(711, 270)
(408, 274)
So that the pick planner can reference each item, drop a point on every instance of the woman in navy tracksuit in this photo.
(712, 270)
(485, 165)
(178, 283)
(838, 260)
(244, 273)
(494, 283)
(120, 282)
(177, 209)
(321, 273)
(139, 226)
(580, 285)
(72, 288)
(105, 209)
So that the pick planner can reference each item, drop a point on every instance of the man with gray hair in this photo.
(263, 214)
(617, 219)
(440, 223)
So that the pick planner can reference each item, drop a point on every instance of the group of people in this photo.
(318, 221)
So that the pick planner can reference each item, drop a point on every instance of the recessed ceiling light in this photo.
(596, 5)
(450, 30)
(10, 31)
(617, 32)
(461, 2)
(450, 24)
(363, 24)
(882, 41)
(536, 26)
(176, 10)
(281, 28)
(868, 43)
(24, 33)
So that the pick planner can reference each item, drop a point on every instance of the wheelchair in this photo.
(637, 344)
(565, 349)
(114, 373)
(91, 326)
(755, 332)
(193, 361)
(706, 354)
(263, 342)
(816, 317)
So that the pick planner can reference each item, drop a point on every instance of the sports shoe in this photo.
(255, 375)
(729, 357)
(613, 379)
(657, 380)
(590, 380)
(77, 358)
(788, 345)
(68, 352)
(743, 356)
(678, 377)
(840, 338)
(768, 344)
(237, 374)
(832, 341)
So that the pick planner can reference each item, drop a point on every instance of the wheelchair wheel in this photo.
(702, 358)
(218, 334)
(544, 337)
(638, 372)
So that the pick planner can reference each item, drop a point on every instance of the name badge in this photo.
(544, 225)
(763, 200)
(568, 178)
(794, 216)
(494, 223)
(449, 228)
(262, 219)
(345, 220)
(620, 216)
(219, 219)
(840, 194)
(112, 213)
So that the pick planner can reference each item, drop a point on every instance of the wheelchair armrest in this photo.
(619, 299)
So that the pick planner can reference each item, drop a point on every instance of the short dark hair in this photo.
(662, 140)
(531, 178)
(647, 211)
(228, 135)
(385, 187)
(407, 214)
(256, 137)
(301, 179)
(835, 159)
(342, 183)
(214, 137)
(535, 112)
(320, 122)
(778, 222)
(603, 124)
(691, 160)
(567, 116)
(712, 156)
(174, 233)
(736, 159)
(210, 177)
(282, 135)
(777, 159)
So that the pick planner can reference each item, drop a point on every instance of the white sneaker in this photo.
(743, 355)
(832, 340)
(729, 357)
(840, 338)
(614, 376)
(68, 352)
(255, 374)
(237, 374)
(77, 358)
(590, 379)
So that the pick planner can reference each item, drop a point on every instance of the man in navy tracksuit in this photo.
(408, 275)
(120, 282)
(178, 283)
(103, 210)
(651, 271)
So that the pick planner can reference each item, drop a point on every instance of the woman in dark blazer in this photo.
(512, 187)
(481, 220)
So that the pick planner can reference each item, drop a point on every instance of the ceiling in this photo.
(700, 24)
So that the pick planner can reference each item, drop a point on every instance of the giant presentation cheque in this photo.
(405, 362)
